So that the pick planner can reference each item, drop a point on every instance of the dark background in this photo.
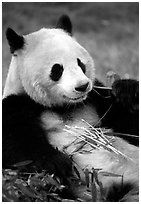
(109, 31)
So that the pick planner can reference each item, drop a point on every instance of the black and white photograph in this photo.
(70, 101)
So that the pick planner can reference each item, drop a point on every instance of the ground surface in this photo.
(108, 30)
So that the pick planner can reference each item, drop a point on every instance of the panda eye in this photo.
(56, 72)
(80, 64)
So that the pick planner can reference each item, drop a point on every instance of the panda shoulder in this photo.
(21, 101)
(20, 109)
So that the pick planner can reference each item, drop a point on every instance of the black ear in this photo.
(15, 41)
(64, 23)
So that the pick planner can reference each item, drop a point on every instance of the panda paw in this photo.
(60, 165)
(125, 93)
(111, 77)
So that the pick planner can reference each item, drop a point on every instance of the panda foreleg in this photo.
(25, 139)
(124, 114)
(118, 108)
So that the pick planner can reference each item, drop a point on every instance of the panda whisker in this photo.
(74, 108)
(103, 116)
(100, 94)
(83, 102)
(67, 107)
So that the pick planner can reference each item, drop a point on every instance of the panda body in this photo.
(56, 124)
(50, 87)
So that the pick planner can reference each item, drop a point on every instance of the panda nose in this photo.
(82, 88)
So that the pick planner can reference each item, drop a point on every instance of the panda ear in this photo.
(15, 41)
(64, 23)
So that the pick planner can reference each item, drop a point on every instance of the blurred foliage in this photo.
(30, 187)
(24, 186)
(108, 30)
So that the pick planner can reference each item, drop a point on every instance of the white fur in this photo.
(55, 124)
(13, 83)
(33, 64)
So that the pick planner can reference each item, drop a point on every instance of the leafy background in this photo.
(108, 30)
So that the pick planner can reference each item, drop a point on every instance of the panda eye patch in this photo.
(80, 64)
(56, 72)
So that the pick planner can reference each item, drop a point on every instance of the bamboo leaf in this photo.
(25, 190)
(104, 173)
(76, 171)
(23, 163)
(94, 192)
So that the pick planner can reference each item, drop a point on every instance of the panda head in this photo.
(50, 65)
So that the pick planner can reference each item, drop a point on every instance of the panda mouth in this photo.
(81, 98)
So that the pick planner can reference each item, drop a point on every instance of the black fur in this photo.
(65, 24)
(80, 64)
(15, 41)
(56, 72)
(122, 193)
(24, 138)
(123, 116)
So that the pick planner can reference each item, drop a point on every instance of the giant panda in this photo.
(51, 85)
